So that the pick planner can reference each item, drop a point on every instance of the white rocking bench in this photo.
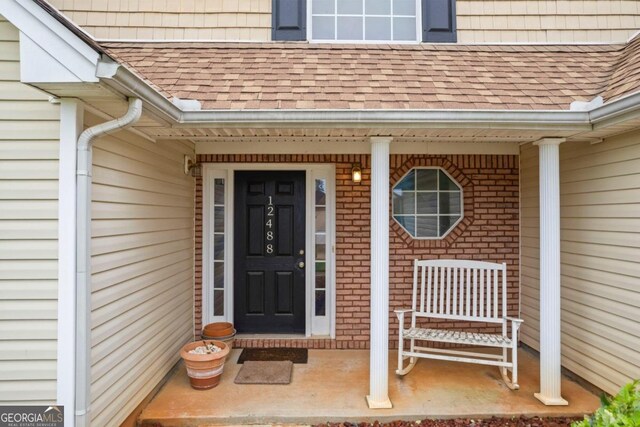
(464, 291)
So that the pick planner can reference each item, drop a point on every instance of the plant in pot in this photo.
(205, 362)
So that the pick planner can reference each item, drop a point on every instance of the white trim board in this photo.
(49, 52)
(71, 124)
(315, 326)
(355, 147)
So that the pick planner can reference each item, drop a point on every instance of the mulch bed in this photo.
(485, 422)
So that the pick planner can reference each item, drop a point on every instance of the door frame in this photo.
(314, 325)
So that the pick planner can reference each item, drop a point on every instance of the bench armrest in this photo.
(401, 312)
(513, 319)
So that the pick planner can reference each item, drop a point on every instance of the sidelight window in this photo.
(218, 246)
(320, 283)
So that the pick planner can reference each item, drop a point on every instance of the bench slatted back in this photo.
(460, 290)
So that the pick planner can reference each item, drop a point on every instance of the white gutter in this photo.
(83, 254)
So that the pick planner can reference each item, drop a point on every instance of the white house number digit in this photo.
(269, 225)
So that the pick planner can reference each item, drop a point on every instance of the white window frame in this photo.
(452, 227)
(315, 326)
(418, 29)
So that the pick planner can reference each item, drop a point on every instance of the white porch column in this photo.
(379, 360)
(550, 374)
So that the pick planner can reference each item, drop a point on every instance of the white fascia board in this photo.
(462, 119)
(49, 51)
(618, 111)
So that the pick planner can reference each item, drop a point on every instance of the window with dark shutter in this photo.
(289, 20)
(365, 20)
(439, 21)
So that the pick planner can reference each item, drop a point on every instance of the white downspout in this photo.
(83, 254)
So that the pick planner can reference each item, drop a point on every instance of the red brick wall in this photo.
(488, 232)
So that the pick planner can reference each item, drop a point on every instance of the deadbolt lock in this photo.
(301, 264)
(301, 252)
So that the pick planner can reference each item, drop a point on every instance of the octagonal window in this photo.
(427, 203)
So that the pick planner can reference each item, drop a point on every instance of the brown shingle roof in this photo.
(626, 76)
(320, 76)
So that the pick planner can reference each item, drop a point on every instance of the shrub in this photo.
(623, 410)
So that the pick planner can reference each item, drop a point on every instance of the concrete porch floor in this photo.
(333, 385)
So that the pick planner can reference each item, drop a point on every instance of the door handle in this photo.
(301, 264)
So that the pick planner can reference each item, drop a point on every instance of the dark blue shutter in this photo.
(289, 19)
(439, 21)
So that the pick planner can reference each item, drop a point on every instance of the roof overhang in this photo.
(54, 56)
(125, 81)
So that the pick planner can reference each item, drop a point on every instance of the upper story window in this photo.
(427, 203)
(371, 21)
(360, 20)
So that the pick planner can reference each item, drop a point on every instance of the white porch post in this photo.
(550, 374)
(379, 360)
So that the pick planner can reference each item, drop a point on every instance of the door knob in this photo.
(301, 264)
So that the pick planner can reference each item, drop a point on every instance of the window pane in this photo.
(218, 246)
(218, 219)
(446, 222)
(408, 222)
(378, 28)
(321, 220)
(323, 28)
(321, 279)
(350, 7)
(446, 183)
(218, 274)
(427, 203)
(349, 28)
(323, 6)
(404, 7)
(218, 303)
(404, 203)
(377, 7)
(321, 246)
(426, 179)
(450, 203)
(427, 226)
(218, 191)
(321, 192)
(320, 303)
(404, 29)
(408, 182)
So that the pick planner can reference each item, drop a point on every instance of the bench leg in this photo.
(513, 382)
(402, 370)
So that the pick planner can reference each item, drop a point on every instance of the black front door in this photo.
(269, 285)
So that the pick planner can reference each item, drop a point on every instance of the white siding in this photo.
(142, 266)
(29, 134)
(600, 209)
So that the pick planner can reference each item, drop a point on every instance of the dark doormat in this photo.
(296, 355)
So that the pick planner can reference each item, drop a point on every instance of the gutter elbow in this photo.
(133, 114)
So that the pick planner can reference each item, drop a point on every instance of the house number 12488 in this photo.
(269, 224)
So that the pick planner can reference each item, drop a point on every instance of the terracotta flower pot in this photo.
(204, 370)
(218, 329)
(228, 340)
